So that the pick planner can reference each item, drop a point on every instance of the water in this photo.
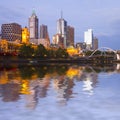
(60, 92)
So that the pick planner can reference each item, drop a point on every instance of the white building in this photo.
(62, 29)
(58, 40)
(88, 38)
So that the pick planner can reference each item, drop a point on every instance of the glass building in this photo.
(62, 30)
(33, 26)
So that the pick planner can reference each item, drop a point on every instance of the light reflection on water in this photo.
(59, 92)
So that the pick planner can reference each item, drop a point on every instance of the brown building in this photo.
(70, 36)
(11, 32)
(95, 43)
(44, 32)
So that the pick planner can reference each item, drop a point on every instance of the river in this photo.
(60, 92)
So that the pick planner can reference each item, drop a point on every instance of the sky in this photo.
(103, 16)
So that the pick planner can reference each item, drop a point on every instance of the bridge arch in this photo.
(106, 49)
(102, 49)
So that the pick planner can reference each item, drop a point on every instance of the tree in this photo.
(41, 51)
(26, 50)
(51, 53)
(61, 53)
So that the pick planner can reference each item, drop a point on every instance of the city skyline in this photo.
(101, 16)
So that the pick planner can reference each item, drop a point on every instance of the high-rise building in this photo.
(62, 29)
(43, 32)
(65, 33)
(11, 32)
(70, 36)
(25, 35)
(95, 43)
(88, 38)
(33, 26)
(44, 36)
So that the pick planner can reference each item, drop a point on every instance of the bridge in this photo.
(104, 51)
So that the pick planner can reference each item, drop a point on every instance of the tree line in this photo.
(41, 52)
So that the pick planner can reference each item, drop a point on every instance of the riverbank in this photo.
(21, 60)
(99, 60)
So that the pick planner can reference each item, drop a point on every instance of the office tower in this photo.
(33, 26)
(70, 36)
(44, 37)
(25, 35)
(43, 32)
(62, 29)
(11, 31)
(95, 43)
(88, 38)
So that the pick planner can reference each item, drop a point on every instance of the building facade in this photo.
(44, 36)
(95, 43)
(25, 35)
(88, 39)
(58, 40)
(62, 30)
(70, 36)
(44, 32)
(44, 42)
(11, 32)
(33, 26)
(81, 45)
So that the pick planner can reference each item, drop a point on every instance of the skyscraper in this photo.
(95, 43)
(62, 29)
(33, 26)
(44, 37)
(88, 39)
(11, 31)
(70, 36)
(43, 32)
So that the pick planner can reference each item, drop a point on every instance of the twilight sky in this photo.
(103, 16)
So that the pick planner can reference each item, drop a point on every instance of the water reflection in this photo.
(34, 82)
(90, 79)
(63, 86)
